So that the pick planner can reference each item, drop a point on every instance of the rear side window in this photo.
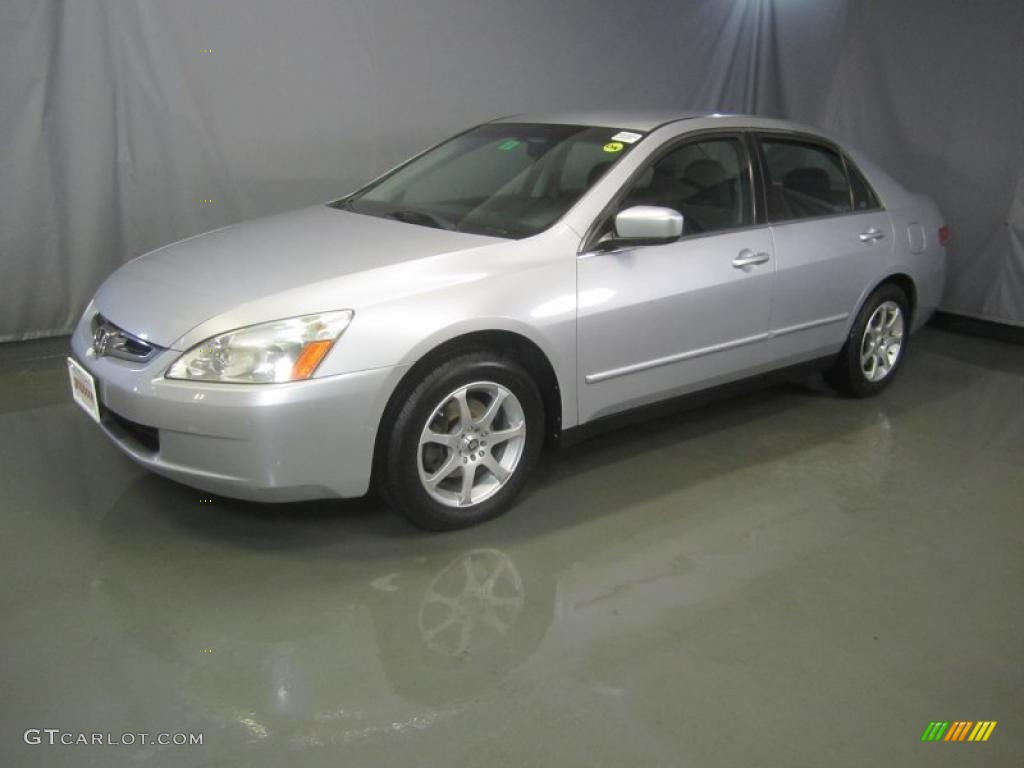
(803, 180)
(864, 197)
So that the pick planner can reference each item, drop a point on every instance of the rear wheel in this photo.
(876, 345)
(461, 446)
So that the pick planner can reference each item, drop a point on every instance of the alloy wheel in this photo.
(471, 444)
(882, 342)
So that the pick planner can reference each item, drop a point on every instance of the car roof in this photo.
(647, 121)
(637, 121)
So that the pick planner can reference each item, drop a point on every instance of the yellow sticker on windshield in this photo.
(613, 146)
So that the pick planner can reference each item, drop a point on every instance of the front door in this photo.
(661, 320)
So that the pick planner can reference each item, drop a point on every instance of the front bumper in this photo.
(276, 442)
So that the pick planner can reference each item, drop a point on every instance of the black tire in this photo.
(400, 485)
(846, 373)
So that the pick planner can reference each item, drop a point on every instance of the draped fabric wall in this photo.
(119, 120)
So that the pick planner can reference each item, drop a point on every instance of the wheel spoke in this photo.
(446, 469)
(440, 438)
(870, 366)
(883, 319)
(487, 419)
(882, 364)
(495, 468)
(465, 416)
(867, 349)
(507, 434)
(468, 476)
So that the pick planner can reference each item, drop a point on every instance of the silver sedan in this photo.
(522, 283)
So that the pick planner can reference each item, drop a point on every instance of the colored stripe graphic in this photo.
(982, 731)
(958, 730)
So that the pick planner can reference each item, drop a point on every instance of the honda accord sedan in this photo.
(522, 283)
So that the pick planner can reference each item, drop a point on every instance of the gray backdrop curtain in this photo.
(118, 120)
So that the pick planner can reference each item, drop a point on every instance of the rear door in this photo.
(830, 236)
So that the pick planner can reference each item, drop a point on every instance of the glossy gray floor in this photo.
(783, 579)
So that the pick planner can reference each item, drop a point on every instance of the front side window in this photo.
(705, 180)
(803, 180)
(501, 179)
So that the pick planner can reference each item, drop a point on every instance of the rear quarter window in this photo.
(864, 197)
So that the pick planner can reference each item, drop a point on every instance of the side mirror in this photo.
(644, 225)
(647, 225)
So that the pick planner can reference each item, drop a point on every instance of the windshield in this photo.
(501, 179)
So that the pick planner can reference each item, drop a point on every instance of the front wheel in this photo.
(876, 345)
(460, 447)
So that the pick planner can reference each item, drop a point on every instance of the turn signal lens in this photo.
(309, 359)
(944, 234)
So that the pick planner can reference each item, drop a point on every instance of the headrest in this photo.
(705, 173)
(809, 181)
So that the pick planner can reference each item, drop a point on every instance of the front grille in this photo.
(109, 339)
(147, 437)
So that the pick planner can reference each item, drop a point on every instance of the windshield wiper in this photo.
(490, 229)
(410, 216)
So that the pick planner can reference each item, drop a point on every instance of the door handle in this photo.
(870, 235)
(747, 258)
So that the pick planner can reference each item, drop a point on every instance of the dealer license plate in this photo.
(83, 389)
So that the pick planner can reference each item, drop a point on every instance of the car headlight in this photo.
(282, 350)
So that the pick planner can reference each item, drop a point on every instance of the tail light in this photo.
(944, 234)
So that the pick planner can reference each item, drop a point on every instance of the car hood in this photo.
(165, 293)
